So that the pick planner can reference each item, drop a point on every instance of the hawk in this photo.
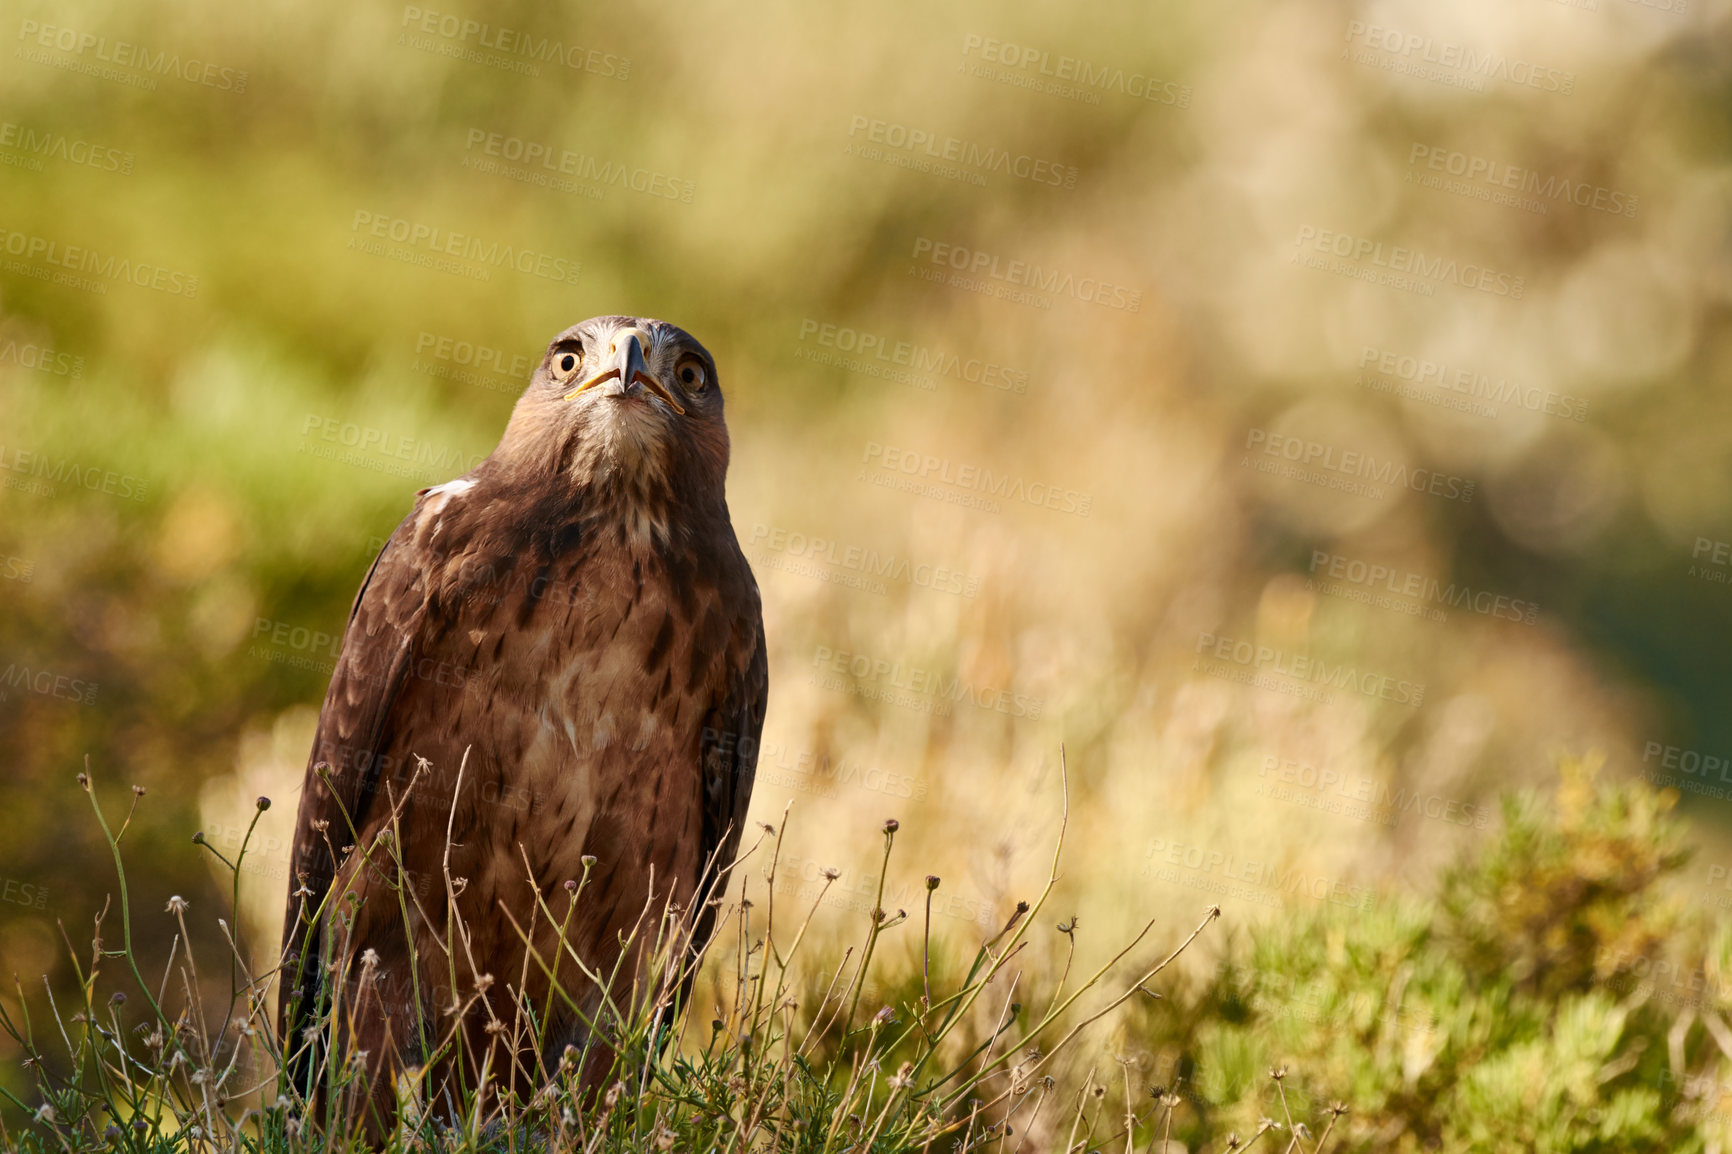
(555, 670)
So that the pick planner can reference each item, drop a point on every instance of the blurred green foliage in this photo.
(1545, 999)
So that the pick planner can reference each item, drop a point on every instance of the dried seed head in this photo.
(138, 791)
(84, 784)
(892, 825)
(831, 873)
(177, 904)
(931, 882)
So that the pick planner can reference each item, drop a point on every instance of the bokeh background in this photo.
(1312, 417)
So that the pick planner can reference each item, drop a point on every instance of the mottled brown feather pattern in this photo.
(577, 615)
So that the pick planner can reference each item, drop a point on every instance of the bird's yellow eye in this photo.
(565, 364)
(692, 376)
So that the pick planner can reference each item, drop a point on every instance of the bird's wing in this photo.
(341, 786)
(731, 731)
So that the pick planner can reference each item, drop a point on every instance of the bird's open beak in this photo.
(625, 364)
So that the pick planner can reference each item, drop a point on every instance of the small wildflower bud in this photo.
(177, 904)
(569, 1056)
(263, 803)
(1021, 908)
(570, 886)
(138, 791)
(198, 838)
(1157, 1092)
(140, 1125)
(931, 882)
(118, 998)
(587, 860)
(84, 784)
(715, 1025)
(892, 826)
(1015, 1009)
(111, 1132)
(1100, 1092)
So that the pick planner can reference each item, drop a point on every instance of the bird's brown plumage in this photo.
(572, 631)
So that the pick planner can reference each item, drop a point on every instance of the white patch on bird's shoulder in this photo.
(439, 496)
(451, 488)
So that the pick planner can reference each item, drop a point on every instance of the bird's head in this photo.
(627, 402)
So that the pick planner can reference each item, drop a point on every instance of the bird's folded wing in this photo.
(342, 786)
(731, 732)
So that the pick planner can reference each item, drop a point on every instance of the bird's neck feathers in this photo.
(616, 481)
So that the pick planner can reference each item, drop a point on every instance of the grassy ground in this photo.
(1533, 1003)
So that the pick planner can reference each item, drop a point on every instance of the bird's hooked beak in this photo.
(625, 364)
